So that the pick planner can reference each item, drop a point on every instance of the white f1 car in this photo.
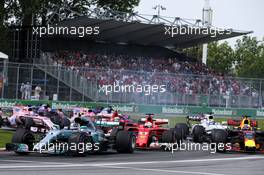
(202, 132)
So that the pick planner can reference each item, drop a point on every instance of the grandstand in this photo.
(130, 49)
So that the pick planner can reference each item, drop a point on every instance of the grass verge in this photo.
(5, 137)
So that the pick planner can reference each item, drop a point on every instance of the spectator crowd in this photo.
(179, 77)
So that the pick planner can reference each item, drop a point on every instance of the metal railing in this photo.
(83, 84)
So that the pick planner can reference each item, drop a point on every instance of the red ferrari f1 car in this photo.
(152, 133)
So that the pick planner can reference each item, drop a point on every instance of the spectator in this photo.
(37, 92)
(22, 90)
(28, 90)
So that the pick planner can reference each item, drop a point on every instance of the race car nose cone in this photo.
(250, 144)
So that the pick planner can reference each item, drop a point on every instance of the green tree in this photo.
(118, 5)
(249, 55)
(193, 52)
(220, 57)
(28, 12)
(37, 12)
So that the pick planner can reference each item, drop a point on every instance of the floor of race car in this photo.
(141, 162)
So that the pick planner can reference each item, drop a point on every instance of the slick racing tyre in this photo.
(29, 122)
(183, 128)
(57, 120)
(125, 142)
(77, 144)
(168, 136)
(198, 133)
(66, 122)
(179, 135)
(219, 136)
(1, 121)
(23, 136)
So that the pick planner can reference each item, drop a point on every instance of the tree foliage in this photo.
(220, 57)
(118, 5)
(193, 52)
(38, 12)
(27, 12)
(249, 57)
(245, 59)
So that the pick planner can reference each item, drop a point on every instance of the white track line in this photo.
(29, 161)
(161, 170)
(125, 163)
(185, 161)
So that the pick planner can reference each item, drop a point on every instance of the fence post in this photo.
(17, 82)
(58, 84)
(260, 95)
(71, 84)
(82, 89)
(45, 84)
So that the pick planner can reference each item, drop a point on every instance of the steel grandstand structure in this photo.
(120, 33)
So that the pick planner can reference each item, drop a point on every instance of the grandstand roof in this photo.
(3, 56)
(148, 32)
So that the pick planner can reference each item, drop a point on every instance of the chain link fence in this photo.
(82, 84)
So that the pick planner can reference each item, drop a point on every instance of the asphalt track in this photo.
(141, 162)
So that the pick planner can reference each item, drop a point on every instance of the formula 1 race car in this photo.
(245, 137)
(203, 131)
(79, 111)
(78, 140)
(113, 117)
(107, 119)
(151, 134)
(24, 117)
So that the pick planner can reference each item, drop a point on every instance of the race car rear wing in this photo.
(234, 122)
(157, 121)
(107, 123)
(197, 118)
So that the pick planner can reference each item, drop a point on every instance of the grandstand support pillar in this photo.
(96, 91)
(82, 90)
(205, 50)
(27, 46)
(71, 87)
(17, 81)
(31, 75)
(45, 84)
(5, 75)
(260, 95)
(207, 22)
(58, 83)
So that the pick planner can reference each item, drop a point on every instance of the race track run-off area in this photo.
(140, 162)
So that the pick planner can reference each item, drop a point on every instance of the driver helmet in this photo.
(245, 125)
(148, 124)
(74, 126)
(210, 119)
